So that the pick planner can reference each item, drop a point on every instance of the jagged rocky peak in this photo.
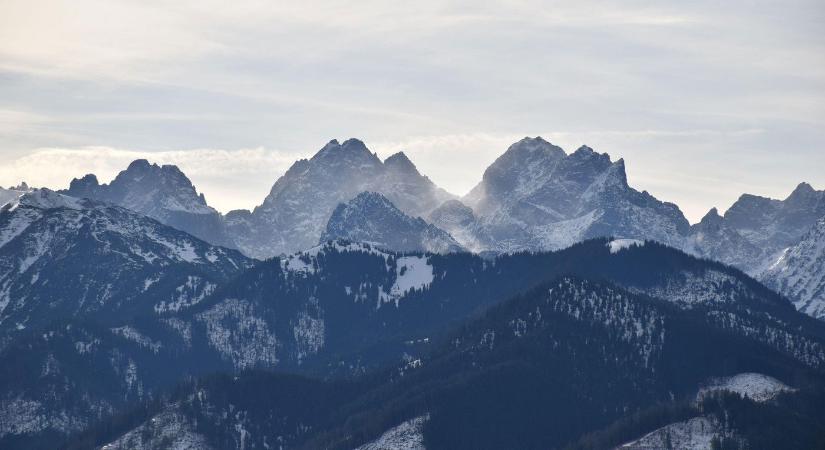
(142, 171)
(587, 162)
(528, 145)
(163, 193)
(86, 187)
(802, 189)
(712, 220)
(399, 162)
(294, 214)
(351, 151)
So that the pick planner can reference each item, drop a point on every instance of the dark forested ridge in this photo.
(542, 370)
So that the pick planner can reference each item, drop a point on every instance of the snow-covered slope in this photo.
(799, 272)
(536, 197)
(755, 386)
(371, 217)
(697, 433)
(406, 436)
(13, 193)
(160, 192)
(704, 431)
(294, 214)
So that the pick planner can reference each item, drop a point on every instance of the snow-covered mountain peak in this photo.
(547, 200)
(163, 193)
(300, 203)
(371, 217)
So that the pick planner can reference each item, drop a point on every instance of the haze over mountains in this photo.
(584, 302)
(534, 197)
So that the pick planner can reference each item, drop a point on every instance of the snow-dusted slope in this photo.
(755, 231)
(371, 217)
(166, 430)
(537, 197)
(799, 272)
(294, 214)
(63, 257)
(161, 192)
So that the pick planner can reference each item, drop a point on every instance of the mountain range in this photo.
(534, 197)
(361, 306)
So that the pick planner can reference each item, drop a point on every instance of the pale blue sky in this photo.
(704, 100)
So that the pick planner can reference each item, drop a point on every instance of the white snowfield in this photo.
(617, 245)
(407, 436)
(755, 386)
(412, 272)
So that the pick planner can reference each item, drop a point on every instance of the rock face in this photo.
(800, 272)
(537, 197)
(294, 214)
(371, 217)
(755, 231)
(160, 192)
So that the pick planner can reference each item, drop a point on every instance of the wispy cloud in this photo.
(713, 88)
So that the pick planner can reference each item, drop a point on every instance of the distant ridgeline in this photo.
(360, 306)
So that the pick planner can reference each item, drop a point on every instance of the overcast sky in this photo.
(705, 100)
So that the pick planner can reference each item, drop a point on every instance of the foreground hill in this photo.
(542, 370)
